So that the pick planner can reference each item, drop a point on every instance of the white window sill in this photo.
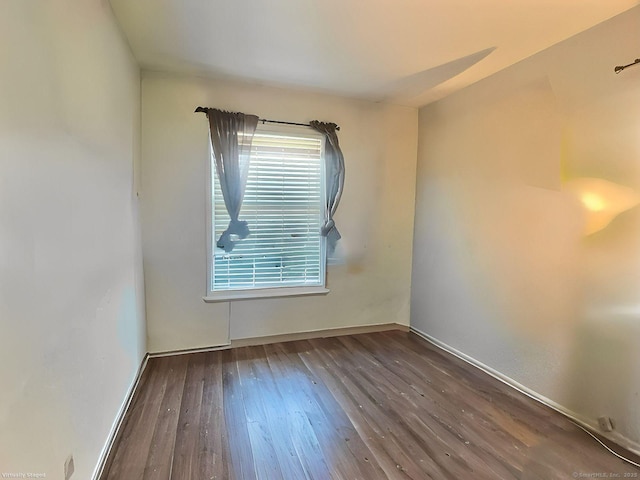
(228, 295)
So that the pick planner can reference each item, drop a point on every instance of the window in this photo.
(283, 204)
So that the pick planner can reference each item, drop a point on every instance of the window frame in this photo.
(274, 291)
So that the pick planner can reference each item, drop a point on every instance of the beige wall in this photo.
(71, 309)
(501, 268)
(370, 285)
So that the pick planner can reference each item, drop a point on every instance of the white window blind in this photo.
(283, 205)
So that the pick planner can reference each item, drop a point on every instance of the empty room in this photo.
(303, 239)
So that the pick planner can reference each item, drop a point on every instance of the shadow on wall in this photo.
(604, 357)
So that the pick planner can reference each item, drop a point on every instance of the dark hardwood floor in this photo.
(370, 406)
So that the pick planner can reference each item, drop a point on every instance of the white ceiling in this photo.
(406, 51)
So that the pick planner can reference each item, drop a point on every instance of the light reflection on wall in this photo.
(603, 200)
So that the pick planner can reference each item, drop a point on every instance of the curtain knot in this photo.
(327, 227)
(332, 234)
(236, 227)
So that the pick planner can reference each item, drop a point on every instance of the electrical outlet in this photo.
(68, 467)
(606, 424)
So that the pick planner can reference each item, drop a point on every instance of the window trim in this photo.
(256, 293)
(213, 296)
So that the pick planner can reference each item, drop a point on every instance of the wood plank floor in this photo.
(370, 406)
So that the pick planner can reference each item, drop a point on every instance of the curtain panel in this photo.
(231, 138)
(334, 177)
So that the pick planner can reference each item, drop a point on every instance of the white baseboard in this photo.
(589, 424)
(323, 333)
(186, 351)
(287, 337)
(117, 423)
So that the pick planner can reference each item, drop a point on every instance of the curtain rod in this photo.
(620, 68)
(264, 120)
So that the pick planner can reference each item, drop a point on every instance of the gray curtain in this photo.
(231, 137)
(334, 178)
